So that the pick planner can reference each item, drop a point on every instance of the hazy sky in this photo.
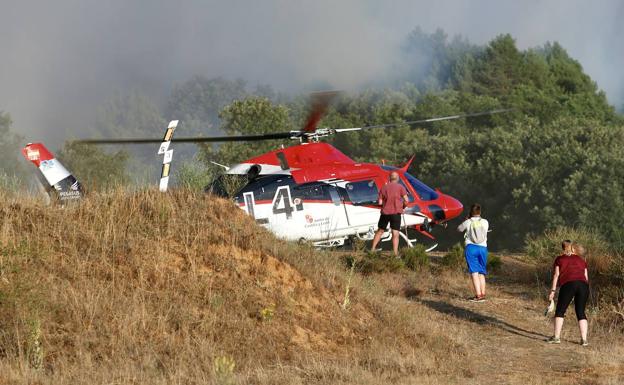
(60, 60)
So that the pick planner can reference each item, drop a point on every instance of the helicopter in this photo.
(313, 192)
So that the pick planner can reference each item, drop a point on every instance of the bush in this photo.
(494, 263)
(415, 258)
(454, 258)
(95, 168)
(545, 247)
(375, 263)
(194, 176)
(598, 252)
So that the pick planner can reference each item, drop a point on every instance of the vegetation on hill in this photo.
(143, 287)
(155, 288)
(555, 160)
(11, 169)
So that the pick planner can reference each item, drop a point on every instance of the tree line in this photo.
(554, 160)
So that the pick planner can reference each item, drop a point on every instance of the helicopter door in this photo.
(323, 215)
(360, 198)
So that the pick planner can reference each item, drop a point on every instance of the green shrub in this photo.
(454, 258)
(545, 247)
(415, 258)
(194, 176)
(494, 263)
(375, 263)
(94, 167)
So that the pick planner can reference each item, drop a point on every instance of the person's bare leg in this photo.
(395, 242)
(482, 284)
(376, 239)
(476, 283)
(558, 326)
(583, 329)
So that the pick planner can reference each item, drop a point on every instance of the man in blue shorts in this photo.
(475, 231)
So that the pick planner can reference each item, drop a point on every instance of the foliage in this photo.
(130, 274)
(605, 268)
(494, 263)
(94, 168)
(133, 115)
(267, 313)
(454, 258)
(35, 352)
(198, 101)
(254, 115)
(10, 164)
(545, 247)
(10, 183)
(415, 258)
(129, 116)
(194, 175)
(554, 160)
(223, 367)
(376, 263)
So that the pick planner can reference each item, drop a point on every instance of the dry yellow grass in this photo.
(183, 288)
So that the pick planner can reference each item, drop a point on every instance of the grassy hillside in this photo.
(182, 288)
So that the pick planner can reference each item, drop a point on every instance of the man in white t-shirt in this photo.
(475, 231)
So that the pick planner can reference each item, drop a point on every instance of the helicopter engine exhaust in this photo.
(253, 172)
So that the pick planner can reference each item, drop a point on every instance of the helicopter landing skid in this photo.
(388, 235)
(329, 243)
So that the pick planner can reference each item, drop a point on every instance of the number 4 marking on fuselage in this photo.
(282, 198)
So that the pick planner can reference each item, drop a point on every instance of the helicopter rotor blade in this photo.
(319, 102)
(199, 139)
(422, 121)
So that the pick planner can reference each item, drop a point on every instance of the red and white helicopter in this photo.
(313, 192)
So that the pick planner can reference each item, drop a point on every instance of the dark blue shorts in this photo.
(476, 258)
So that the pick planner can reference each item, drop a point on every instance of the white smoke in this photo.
(62, 59)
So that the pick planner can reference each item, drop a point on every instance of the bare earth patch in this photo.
(508, 332)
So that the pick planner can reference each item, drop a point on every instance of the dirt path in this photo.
(508, 332)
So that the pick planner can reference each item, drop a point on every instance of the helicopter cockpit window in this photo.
(364, 192)
(312, 192)
(425, 192)
(410, 197)
(335, 197)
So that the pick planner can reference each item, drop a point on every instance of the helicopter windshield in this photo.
(424, 192)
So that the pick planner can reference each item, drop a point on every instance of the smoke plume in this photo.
(62, 59)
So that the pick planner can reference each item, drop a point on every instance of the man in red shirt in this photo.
(392, 199)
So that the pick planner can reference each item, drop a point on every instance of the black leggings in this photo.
(577, 289)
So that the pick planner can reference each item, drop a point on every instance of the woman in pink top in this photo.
(570, 274)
